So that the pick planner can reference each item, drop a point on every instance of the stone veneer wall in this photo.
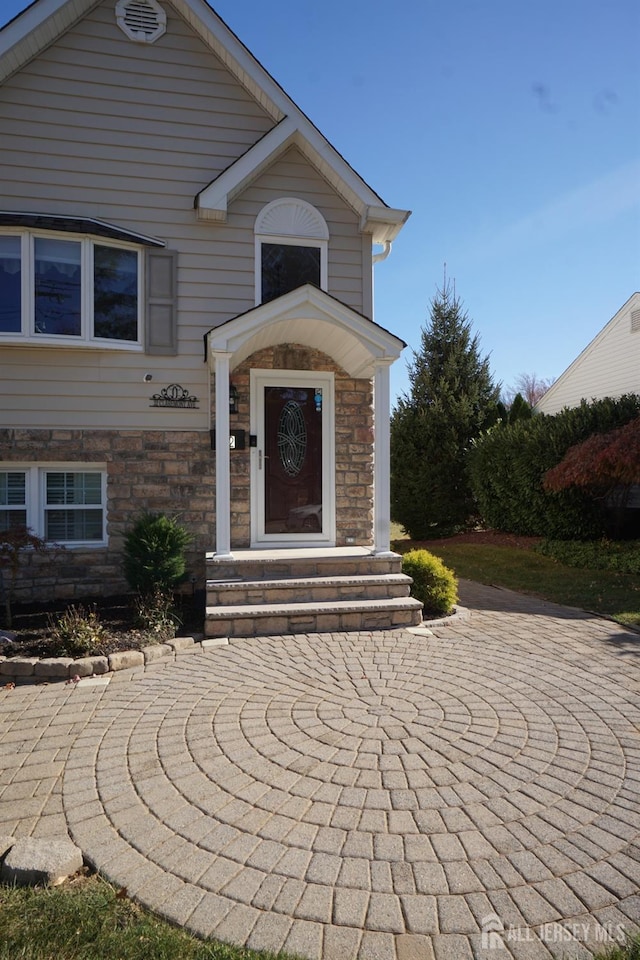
(174, 472)
(165, 471)
(354, 443)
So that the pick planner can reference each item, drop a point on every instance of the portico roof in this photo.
(313, 318)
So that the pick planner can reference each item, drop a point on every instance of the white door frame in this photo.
(259, 379)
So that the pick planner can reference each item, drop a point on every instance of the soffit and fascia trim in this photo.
(212, 203)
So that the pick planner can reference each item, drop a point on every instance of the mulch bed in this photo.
(492, 538)
(31, 624)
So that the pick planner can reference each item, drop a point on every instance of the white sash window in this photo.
(61, 503)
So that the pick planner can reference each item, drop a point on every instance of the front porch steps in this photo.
(275, 592)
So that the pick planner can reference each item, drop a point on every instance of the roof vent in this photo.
(141, 20)
(635, 321)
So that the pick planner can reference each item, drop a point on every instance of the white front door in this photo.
(293, 463)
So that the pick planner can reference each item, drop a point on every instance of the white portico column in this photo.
(223, 472)
(381, 459)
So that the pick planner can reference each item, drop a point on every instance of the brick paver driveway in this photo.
(470, 793)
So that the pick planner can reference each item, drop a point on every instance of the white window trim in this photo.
(35, 495)
(289, 242)
(286, 211)
(86, 339)
(16, 507)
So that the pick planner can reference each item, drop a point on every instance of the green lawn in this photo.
(607, 592)
(86, 920)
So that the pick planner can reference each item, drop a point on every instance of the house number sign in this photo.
(174, 396)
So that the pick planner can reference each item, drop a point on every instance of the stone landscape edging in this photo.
(46, 669)
(35, 861)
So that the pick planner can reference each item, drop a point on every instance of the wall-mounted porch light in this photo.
(233, 398)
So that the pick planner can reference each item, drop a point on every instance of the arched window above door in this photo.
(291, 241)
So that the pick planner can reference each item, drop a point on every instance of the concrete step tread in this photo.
(281, 564)
(311, 607)
(282, 553)
(347, 580)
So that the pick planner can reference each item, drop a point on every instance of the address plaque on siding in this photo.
(174, 396)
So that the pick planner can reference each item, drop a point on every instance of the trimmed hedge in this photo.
(506, 466)
(433, 583)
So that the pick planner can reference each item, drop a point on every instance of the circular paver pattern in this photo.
(374, 796)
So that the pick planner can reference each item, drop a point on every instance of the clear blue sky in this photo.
(510, 129)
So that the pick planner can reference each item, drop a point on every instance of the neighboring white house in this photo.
(608, 367)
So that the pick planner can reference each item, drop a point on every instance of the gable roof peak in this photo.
(41, 23)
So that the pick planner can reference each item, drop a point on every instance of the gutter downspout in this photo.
(384, 253)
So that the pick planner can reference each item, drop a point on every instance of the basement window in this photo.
(61, 503)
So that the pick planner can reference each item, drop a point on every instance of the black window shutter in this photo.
(161, 327)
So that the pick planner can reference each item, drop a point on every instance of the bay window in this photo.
(58, 289)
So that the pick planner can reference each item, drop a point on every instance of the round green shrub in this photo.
(433, 583)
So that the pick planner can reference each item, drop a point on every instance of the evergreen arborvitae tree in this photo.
(452, 400)
(519, 409)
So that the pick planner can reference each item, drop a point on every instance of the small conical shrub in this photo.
(154, 554)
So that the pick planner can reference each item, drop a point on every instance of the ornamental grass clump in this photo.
(156, 614)
(76, 632)
(434, 584)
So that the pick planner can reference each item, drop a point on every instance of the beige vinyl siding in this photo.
(129, 133)
(58, 387)
(608, 367)
(102, 127)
